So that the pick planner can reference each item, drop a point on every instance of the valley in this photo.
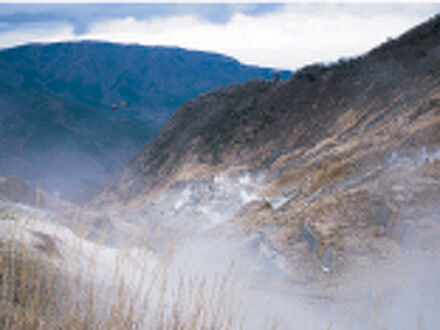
(82, 110)
(310, 202)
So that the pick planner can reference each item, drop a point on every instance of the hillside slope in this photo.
(335, 163)
(57, 126)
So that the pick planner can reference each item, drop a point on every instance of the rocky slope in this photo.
(338, 162)
(57, 123)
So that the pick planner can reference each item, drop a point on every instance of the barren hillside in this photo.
(343, 159)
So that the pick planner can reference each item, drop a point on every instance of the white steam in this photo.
(209, 247)
(419, 157)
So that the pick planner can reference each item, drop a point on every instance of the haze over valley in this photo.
(74, 114)
(151, 187)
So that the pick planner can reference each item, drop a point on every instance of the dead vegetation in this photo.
(332, 172)
(37, 291)
(33, 292)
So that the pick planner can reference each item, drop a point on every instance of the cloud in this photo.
(273, 35)
(37, 32)
(287, 38)
(82, 15)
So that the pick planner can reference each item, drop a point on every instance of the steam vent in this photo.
(155, 187)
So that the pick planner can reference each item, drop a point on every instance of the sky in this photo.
(283, 36)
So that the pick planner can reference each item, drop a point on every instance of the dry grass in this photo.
(37, 293)
(331, 172)
(31, 290)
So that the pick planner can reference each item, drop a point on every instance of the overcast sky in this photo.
(277, 35)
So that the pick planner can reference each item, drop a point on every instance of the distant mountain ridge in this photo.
(57, 126)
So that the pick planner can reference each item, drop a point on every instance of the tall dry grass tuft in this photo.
(39, 289)
(32, 292)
